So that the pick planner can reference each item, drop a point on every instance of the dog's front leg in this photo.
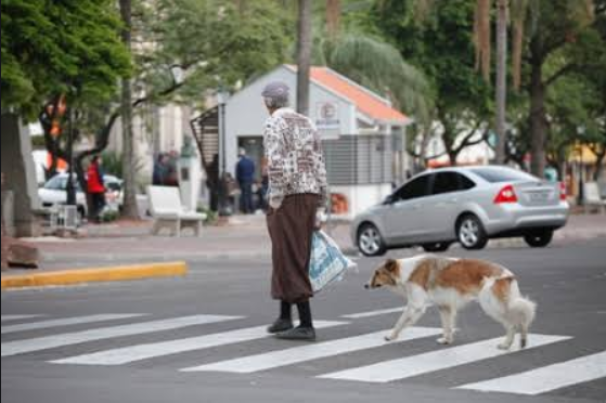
(412, 313)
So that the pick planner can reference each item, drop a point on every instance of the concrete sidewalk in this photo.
(113, 246)
(243, 237)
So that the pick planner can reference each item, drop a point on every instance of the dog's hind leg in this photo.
(448, 316)
(523, 336)
(509, 338)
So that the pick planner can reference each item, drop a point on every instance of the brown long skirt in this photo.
(291, 228)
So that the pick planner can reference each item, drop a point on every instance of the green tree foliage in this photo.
(379, 66)
(562, 40)
(442, 48)
(69, 47)
(562, 79)
(183, 48)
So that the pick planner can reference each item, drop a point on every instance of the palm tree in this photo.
(373, 63)
(380, 67)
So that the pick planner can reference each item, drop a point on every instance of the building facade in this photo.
(363, 134)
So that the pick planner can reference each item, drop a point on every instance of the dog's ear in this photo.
(392, 265)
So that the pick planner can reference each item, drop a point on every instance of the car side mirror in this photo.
(389, 200)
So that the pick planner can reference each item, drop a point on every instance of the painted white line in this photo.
(370, 314)
(68, 339)
(141, 352)
(46, 324)
(435, 361)
(262, 362)
(6, 318)
(547, 379)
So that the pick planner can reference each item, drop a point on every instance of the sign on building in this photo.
(327, 116)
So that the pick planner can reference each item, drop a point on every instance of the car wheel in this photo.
(539, 239)
(436, 247)
(370, 241)
(471, 233)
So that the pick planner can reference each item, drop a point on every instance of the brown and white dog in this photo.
(450, 284)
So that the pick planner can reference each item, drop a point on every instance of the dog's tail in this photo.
(521, 311)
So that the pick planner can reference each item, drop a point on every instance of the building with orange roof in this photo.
(358, 126)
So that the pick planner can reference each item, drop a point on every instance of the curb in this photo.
(118, 273)
(125, 259)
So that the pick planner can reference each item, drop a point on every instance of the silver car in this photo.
(467, 205)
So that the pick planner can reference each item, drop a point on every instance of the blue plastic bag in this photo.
(328, 264)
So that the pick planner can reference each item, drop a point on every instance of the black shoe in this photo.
(298, 334)
(280, 325)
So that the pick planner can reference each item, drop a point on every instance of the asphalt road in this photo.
(85, 348)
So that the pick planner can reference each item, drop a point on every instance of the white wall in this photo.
(246, 113)
(162, 127)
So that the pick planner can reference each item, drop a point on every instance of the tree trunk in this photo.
(453, 156)
(130, 186)
(599, 164)
(501, 93)
(538, 118)
(304, 47)
(20, 176)
(333, 17)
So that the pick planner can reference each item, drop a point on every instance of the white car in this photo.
(54, 192)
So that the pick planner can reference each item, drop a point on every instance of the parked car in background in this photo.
(467, 205)
(54, 192)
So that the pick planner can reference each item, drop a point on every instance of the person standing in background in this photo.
(245, 175)
(96, 187)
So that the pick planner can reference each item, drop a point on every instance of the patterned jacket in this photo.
(294, 154)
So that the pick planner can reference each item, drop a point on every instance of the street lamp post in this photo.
(222, 97)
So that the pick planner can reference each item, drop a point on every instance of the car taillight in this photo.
(563, 192)
(506, 195)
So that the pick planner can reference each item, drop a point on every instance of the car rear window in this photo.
(502, 175)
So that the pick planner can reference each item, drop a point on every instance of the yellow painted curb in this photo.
(120, 273)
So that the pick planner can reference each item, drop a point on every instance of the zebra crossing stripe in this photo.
(7, 318)
(370, 314)
(141, 352)
(262, 362)
(435, 361)
(46, 324)
(547, 379)
(67, 339)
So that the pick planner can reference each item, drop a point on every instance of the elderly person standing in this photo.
(297, 189)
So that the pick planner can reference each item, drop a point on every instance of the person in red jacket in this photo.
(96, 187)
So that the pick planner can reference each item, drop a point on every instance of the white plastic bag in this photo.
(328, 264)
